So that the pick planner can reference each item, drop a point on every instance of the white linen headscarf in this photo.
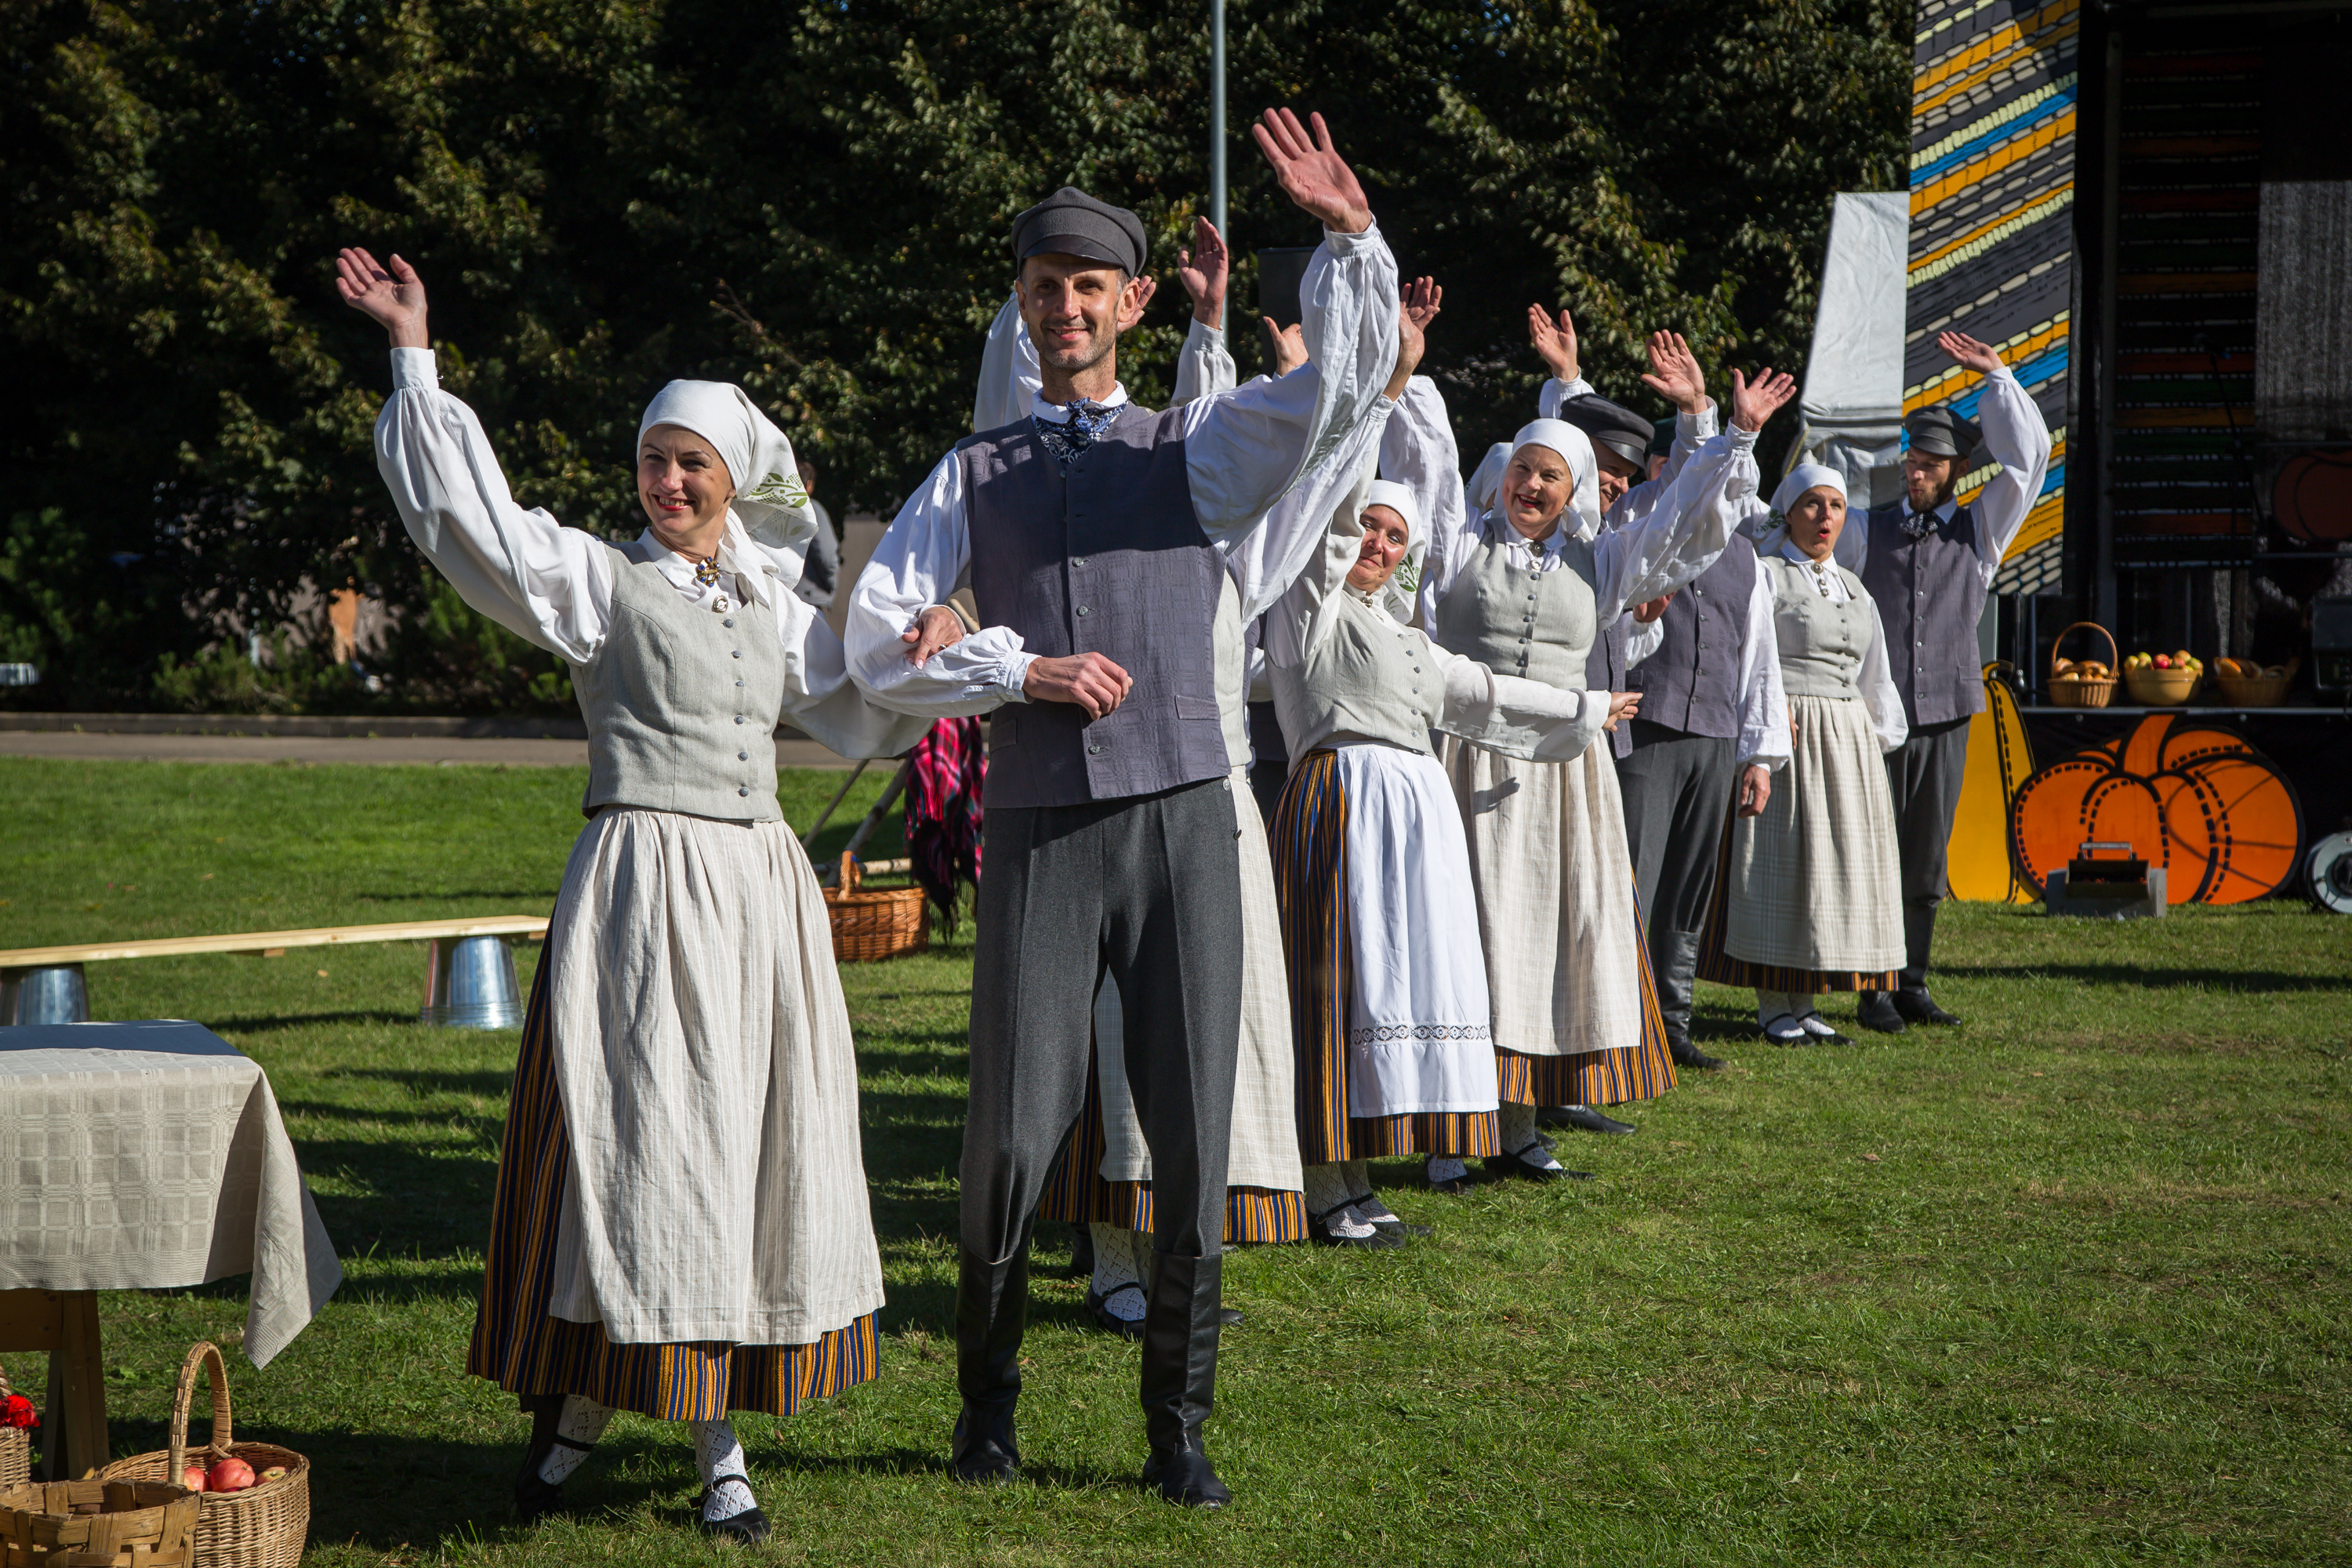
(769, 499)
(1582, 516)
(1406, 581)
(1803, 477)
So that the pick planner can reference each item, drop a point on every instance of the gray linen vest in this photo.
(1929, 598)
(1692, 682)
(1537, 625)
(1822, 643)
(1109, 561)
(1367, 676)
(681, 703)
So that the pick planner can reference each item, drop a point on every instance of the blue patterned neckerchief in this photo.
(1919, 525)
(1069, 442)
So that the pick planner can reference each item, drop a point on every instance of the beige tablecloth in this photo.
(150, 1155)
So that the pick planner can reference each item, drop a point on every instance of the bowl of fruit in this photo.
(2163, 679)
(2247, 684)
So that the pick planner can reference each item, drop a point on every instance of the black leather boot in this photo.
(991, 1310)
(1180, 1378)
(1912, 1000)
(1875, 1010)
(1673, 958)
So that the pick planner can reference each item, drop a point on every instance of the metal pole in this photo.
(1217, 114)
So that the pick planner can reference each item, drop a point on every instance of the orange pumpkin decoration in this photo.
(2215, 814)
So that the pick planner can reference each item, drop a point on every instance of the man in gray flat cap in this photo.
(1087, 532)
(1928, 562)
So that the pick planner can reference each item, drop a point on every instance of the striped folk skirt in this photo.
(1311, 879)
(522, 1348)
(1076, 1191)
(1808, 895)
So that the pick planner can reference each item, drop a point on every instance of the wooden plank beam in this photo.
(265, 941)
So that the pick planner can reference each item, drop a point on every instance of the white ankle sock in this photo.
(1327, 1188)
(583, 1422)
(717, 1453)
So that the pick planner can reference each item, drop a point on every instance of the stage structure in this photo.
(2146, 205)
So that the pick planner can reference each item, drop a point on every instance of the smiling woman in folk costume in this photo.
(1388, 991)
(681, 1226)
(1809, 897)
(1104, 1179)
(1524, 587)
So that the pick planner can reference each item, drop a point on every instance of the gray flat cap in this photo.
(1072, 223)
(1662, 437)
(1610, 425)
(1940, 433)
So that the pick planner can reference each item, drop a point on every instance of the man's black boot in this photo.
(991, 1310)
(1912, 1000)
(1875, 1010)
(1673, 959)
(1180, 1378)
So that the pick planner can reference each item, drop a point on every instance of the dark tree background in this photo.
(810, 200)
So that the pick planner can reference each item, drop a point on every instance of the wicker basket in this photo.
(16, 1447)
(2156, 688)
(2239, 690)
(98, 1525)
(265, 1525)
(2080, 693)
(884, 924)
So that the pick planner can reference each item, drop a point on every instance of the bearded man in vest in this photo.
(1089, 534)
(1928, 562)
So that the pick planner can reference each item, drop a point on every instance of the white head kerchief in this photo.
(769, 499)
(1806, 477)
(1583, 515)
(1399, 589)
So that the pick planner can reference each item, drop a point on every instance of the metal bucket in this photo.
(54, 993)
(470, 984)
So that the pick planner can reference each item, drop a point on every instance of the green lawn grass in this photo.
(2068, 1284)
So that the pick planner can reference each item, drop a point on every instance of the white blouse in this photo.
(552, 585)
(1692, 431)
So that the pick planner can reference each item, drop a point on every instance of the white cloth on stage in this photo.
(148, 1156)
(699, 1029)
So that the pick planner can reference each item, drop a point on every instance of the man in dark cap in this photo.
(1087, 532)
(1928, 562)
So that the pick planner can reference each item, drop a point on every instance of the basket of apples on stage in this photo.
(2163, 679)
(2086, 683)
(2245, 684)
(255, 1497)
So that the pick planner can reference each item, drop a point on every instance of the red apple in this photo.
(229, 1475)
(192, 1478)
(2162, 662)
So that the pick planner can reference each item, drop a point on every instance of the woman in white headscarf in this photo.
(681, 1226)
(1808, 896)
(1522, 584)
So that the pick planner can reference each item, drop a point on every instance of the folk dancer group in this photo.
(1469, 911)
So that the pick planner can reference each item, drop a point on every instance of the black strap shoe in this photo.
(746, 1529)
(1342, 1226)
(1381, 1217)
(1876, 1011)
(534, 1499)
(1584, 1118)
(1099, 1306)
(1504, 1166)
(1918, 1007)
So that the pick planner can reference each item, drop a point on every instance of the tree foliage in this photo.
(811, 200)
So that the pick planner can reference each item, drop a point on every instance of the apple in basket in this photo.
(230, 1475)
(192, 1478)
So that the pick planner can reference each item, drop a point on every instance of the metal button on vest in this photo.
(1085, 609)
(728, 622)
(1077, 560)
(742, 756)
(1094, 751)
(736, 653)
(742, 789)
(739, 718)
(739, 683)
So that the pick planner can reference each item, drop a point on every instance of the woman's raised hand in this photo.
(1312, 172)
(394, 300)
(1201, 267)
(1289, 346)
(1673, 373)
(1421, 298)
(1556, 346)
(1753, 403)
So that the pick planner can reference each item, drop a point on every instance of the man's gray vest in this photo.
(1537, 625)
(681, 702)
(1111, 560)
(1692, 682)
(1930, 597)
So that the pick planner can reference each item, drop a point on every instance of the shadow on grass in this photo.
(268, 1022)
(2146, 978)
